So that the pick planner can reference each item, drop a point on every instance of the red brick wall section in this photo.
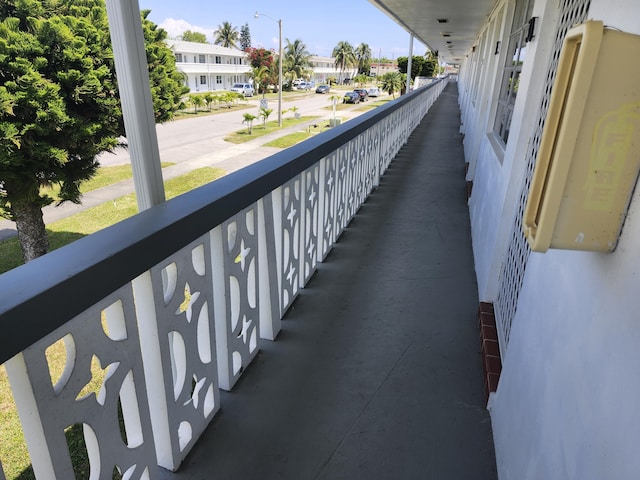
(489, 350)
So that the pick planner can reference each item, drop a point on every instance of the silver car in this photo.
(245, 89)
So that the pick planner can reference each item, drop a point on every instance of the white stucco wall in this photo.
(498, 171)
(567, 403)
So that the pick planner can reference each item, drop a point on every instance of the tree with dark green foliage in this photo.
(59, 104)
(245, 37)
(417, 63)
(168, 86)
(392, 82)
(197, 37)
(431, 65)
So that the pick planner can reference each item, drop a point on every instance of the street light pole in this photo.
(280, 59)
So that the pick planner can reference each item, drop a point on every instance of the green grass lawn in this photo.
(13, 451)
(289, 140)
(371, 104)
(105, 176)
(260, 130)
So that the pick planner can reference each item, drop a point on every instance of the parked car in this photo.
(323, 89)
(351, 97)
(374, 92)
(305, 86)
(245, 89)
(364, 96)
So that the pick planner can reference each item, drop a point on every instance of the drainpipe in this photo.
(130, 58)
(409, 62)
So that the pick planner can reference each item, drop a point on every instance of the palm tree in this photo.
(345, 56)
(248, 119)
(363, 57)
(196, 100)
(226, 35)
(392, 83)
(264, 114)
(260, 78)
(296, 58)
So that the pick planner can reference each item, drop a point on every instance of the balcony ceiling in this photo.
(423, 18)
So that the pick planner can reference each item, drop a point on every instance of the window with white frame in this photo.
(201, 59)
(203, 79)
(179, 57)
(218, 59)
(513, 68)
(219, 79)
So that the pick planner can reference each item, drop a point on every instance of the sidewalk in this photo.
(230, 158)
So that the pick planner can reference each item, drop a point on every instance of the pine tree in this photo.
(59, 104)
(245, 37)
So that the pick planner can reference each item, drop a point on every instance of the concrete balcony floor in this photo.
(376, 373)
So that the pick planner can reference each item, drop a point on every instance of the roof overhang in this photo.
(448, 26)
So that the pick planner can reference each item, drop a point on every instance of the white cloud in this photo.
(175, 28)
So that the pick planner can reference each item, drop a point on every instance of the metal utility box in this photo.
(589, 155)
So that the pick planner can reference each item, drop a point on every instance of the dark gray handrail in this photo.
(35, 298)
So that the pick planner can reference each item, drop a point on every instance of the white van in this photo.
(244, 88)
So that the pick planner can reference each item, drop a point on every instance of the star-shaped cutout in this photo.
(195, 396)
(244, 253)
(291, 273)
(245, 329)
(311, 249)
(292, 215)
(98, 380)
(330, 182)
(328, 229)
(342, 170)
(189, 301)
(312, 197)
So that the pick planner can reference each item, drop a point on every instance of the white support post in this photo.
(127, 38)
(409, 63)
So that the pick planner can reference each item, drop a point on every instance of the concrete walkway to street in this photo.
(229, 157)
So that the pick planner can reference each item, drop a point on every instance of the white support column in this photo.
(409, 63)
(127, 38)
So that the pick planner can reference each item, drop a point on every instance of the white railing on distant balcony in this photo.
(171, 305)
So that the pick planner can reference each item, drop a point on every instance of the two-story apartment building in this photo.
(209, 67)
(325, 68)
(378, 69)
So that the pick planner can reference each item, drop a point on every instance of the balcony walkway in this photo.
(376, 373)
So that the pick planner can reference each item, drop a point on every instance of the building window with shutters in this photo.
(219, 79)
(201, 59)
(203, 79)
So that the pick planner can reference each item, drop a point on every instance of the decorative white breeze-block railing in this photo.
(154, 315)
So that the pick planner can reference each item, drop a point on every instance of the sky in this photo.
(320, 25)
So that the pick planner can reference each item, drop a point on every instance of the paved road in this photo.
(194, 143)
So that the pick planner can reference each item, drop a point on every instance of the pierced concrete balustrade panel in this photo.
(287, 207)
(310, 218)
(353, 185)
(385, 144)
(235, 263)
(373, 138)
(327, 204)
(343, 185)
(183, 387)
(87, 375)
